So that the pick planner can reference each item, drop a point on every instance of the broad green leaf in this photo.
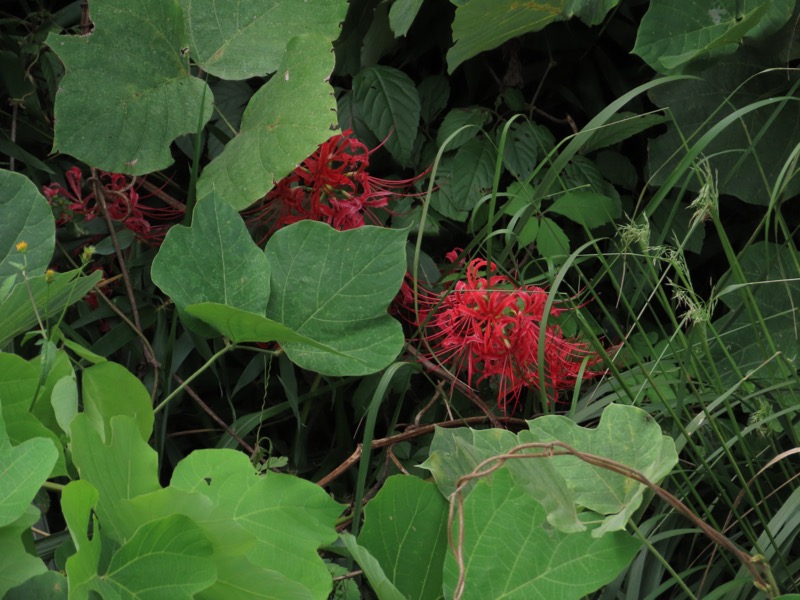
(591, 12)
(473, 171)
(214, 260)
(121, 468)
(168, 559)
(50, 585)
(241, 579)
(510, 553)
(109, 390)
(19, 381)
(443, 199)
(457, 452)
(551, 241)
(51, 298)
(242, 326)
(290, 518)
(53, 364)
(401, 15)
(772, 276)
(525, 143)
(284, 122)
(624, 126)
(388, 101)
(78, 500)
(743, 167)
(127, 92)
(481, 25)
(625, 434)
(247, 39)
(334, 287)
(587, 208)
(433, 92)
(64, 401)
(405, 529)
(25, 216)
(457, 118)
(23, 470)
(672, 34)
(381, 585)
(17, 564)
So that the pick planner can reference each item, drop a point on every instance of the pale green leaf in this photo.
(335, 287)
(25, 216)
(50, 585)
(388, 101)
(587, 208)
(127, 92)
(247, 39)
(510, 553)
(64, 401)
(625, 434)
(16, 563)
(284, 122)
(405, 529)
(381, 585)
(551, 241)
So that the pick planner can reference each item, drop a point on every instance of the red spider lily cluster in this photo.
(333, 185)
(490, 328)
(122, 201)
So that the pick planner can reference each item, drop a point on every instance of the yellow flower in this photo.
(49, 275)
(22, 247)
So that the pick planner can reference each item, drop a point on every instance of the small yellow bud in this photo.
(22, 247)
(49, 275)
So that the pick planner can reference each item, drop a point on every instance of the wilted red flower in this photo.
(332, 185)
(122, 201)
(490, 327)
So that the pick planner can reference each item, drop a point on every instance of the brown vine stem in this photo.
(208, 410)
(410, 433)
(126, 278)
(755, 565)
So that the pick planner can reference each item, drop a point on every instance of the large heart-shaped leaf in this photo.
(26, 217)
(290, 518)
(284, 122)
(510, 553)
(625, 434)
(334, 287)
(246, 39)
(214, 260)
(127, 92)
(405, 529)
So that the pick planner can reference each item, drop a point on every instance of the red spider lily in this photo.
(122, 201)
(332, 185)
(490, 327)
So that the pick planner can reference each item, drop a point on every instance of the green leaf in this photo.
(19, 381)
(290, 518)
(457, 118)
(624, 126)
(109, 390)
(247, 39)
(551, 241)
(433, 91)
(402, 14)
(587, 208)
(16, 564)
(284, 122)
(672, 34)
(509, 552)
(164, 560)
(625, 434)
(334, 287)
(25, 216)
(64, 401)
(525, 143)
(481, 25)
(389, 103)
(127, 92)
(78, 500)
(25, 467)
(473, 172)
(63, 289)
(591, 12)
(405, 529)
(383, 588)
(456, 452)
(50, 585)
(120, 469)
(214, 260)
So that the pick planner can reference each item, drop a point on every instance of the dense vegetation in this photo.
(399, 299)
